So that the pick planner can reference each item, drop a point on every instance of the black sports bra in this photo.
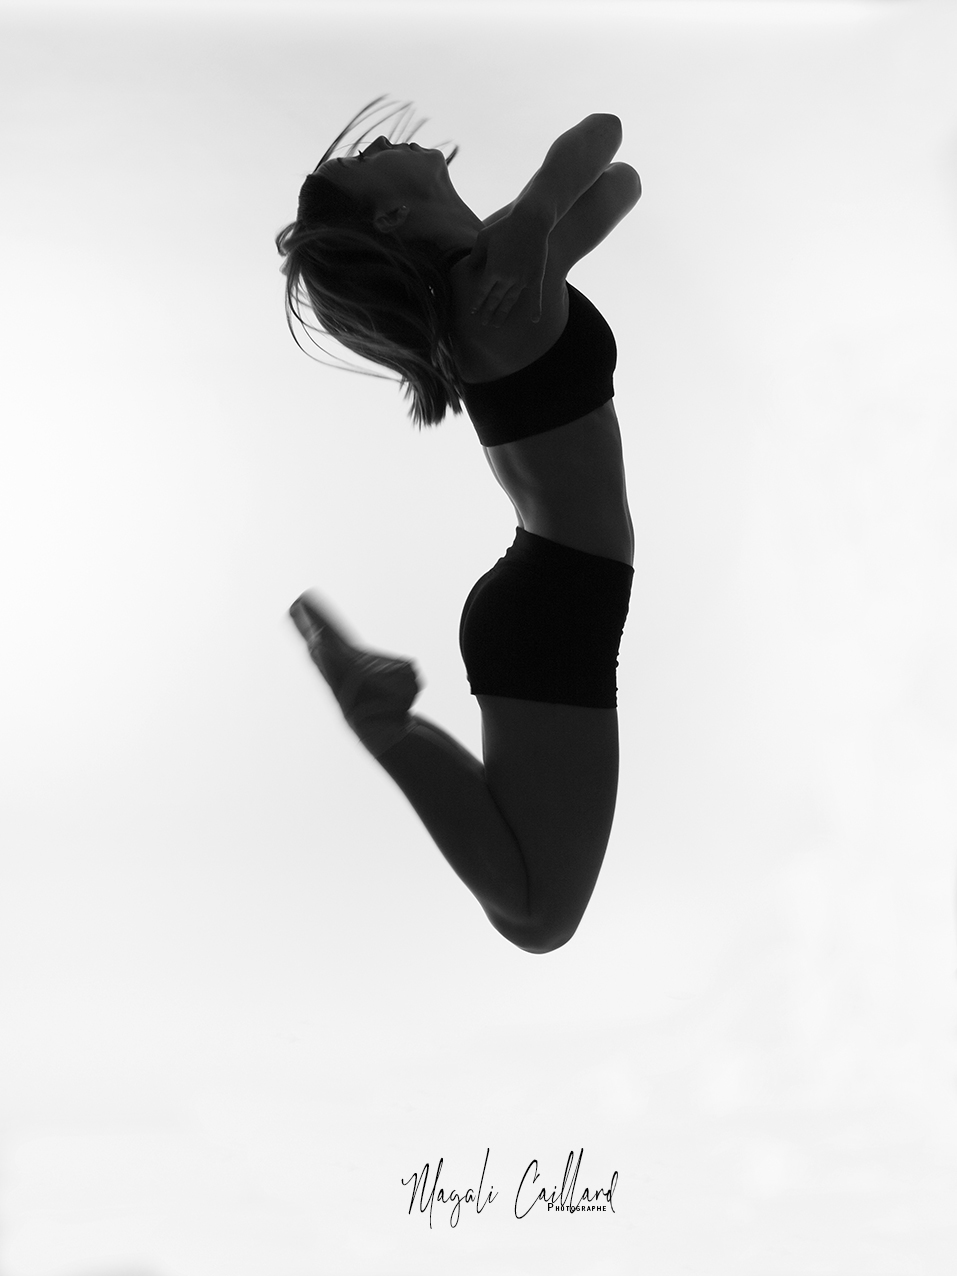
(572, 378)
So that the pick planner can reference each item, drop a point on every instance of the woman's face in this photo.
(386, 173)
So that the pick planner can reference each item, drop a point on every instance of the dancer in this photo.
(397, 267)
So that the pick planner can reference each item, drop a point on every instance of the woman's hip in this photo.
(545, 623)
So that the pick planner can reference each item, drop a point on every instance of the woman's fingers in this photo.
(513, 253)
(490, 299)
(495, 316)
(495, 306)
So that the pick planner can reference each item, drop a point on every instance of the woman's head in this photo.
(391, 183)
(365, 256)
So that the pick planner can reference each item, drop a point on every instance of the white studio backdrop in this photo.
(241, 994)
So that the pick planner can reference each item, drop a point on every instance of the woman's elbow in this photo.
(610, 123)
(628, 182)
(634, 181)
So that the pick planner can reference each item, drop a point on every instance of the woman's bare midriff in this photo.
(568, 485)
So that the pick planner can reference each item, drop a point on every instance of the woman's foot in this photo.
(375, 692)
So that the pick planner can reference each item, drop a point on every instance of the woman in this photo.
(400, 270)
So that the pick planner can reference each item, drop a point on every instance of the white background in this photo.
(242, 994)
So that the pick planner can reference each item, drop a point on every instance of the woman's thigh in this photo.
(553, 771)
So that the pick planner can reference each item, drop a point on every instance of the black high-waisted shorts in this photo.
(545, 624)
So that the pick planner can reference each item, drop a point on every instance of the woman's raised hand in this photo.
(511, 254)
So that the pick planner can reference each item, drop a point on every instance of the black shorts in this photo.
(545, 624)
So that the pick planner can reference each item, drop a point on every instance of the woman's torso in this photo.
(568, 483)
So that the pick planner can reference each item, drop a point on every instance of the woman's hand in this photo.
(511, 254)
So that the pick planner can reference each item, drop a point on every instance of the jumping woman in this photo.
(395, 266)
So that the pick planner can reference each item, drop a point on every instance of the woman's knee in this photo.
(548, 942)
(538, 936)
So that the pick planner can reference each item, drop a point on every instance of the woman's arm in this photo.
(513, 246)
(574, 162)
(593, 216)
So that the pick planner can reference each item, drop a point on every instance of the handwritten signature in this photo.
(562, 1200)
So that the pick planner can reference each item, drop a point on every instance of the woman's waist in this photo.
(568, 484)
(607, 534)
(596, 522)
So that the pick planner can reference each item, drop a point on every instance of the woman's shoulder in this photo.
(484, 353)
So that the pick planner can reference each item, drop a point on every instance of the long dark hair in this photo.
(384, 298)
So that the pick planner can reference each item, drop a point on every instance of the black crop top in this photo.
(572, 378)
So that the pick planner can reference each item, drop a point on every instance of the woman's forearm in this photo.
(574, 162)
